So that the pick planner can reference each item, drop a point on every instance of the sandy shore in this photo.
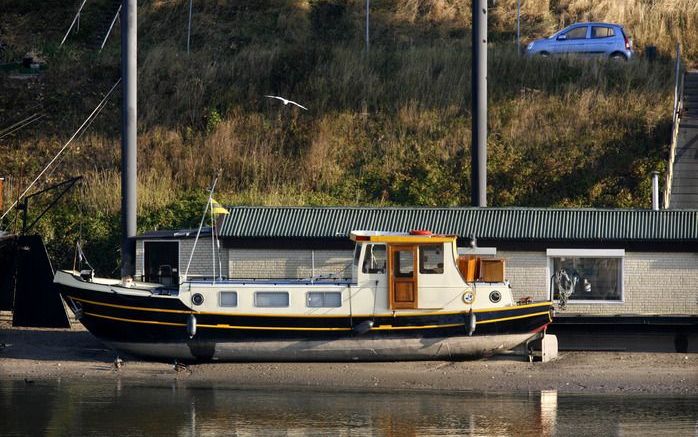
(45, 353)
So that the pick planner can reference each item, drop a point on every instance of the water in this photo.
(81, 407)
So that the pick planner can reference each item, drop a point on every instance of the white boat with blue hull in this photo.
(407, 300)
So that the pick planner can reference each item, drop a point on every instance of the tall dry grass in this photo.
(392, 127)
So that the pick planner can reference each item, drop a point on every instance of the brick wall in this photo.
(201, 264)
(653, 283)
(262, 263)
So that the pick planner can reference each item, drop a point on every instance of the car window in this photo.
(601, 32)
(577, 33)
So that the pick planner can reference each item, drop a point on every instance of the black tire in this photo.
(618, 57)
(544, 54)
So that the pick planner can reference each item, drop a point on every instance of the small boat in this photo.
(410, 297)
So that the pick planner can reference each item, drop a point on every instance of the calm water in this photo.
(113, 408)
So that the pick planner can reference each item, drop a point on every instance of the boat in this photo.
(410, 297)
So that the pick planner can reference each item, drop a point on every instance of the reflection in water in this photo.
(128, 408)
(548, 412)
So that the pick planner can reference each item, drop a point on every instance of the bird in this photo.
(286, 101)
(179, 367)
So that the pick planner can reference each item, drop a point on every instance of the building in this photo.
(633, 267)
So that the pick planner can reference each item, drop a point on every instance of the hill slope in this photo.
(392, 127)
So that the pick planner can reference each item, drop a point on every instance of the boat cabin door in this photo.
(402, 274)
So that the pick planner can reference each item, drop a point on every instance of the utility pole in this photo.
(518, 26)
(129, 52)
(368, 14)
(479, 105)
(189, 27)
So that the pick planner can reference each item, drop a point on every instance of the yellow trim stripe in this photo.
(271, 328)
(401, 328)
(503, 319)
(404, 239)
(148, 322)
(281, 328)
(126, 307)
(412, 314)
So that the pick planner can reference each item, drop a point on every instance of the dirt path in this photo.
(41, 353)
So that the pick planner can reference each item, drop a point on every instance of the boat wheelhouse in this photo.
(410, 297)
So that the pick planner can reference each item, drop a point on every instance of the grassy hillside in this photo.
(390, 127)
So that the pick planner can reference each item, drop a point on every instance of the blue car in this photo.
(603, 39)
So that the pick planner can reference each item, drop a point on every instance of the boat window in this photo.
(431, 259)
(323, 299)
(271, 299)
(404, 264)
(357, 254)
(228, 298)
(374, 259)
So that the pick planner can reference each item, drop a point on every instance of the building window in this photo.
(431, 259)
(323, 299)
(228, 298)
(271, 299)
(374, 259)
(586, 275)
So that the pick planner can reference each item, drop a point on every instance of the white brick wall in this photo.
(653, 283)
(201, 263)
(265, 263)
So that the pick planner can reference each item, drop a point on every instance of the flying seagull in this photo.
(286, 101)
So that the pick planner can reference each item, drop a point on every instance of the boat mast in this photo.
(129, 22)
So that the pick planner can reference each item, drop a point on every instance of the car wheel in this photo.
(544, 54)
(618, 57)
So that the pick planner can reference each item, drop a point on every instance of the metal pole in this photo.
(479, 105)
(518, 26)
(676, 82)
(129, 32)
(189, 27)
(655, 191)
(368, 14)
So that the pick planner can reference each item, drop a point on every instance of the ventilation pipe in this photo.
(129, 19)
(655, 191)
(478, 175)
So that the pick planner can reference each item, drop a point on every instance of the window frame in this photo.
(220, 298)
(586, 253)
(257, 293)
(397, 263)
(367, 254)
(323, 293)
(613, 32)
(420, 264)
(586, 33)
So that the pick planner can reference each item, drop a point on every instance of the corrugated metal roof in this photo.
(484, 223)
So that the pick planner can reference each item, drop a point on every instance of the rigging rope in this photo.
(77, 132)
(20, 124)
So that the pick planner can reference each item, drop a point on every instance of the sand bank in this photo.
(45, 353)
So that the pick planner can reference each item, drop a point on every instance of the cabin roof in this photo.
(514, 224)
(400, 237)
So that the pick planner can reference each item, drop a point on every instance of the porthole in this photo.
(468, 297)
(197, 299)
(495, 296)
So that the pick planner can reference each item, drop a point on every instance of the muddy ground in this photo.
(46, 353)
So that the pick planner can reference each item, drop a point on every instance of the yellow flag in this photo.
(217, 208)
